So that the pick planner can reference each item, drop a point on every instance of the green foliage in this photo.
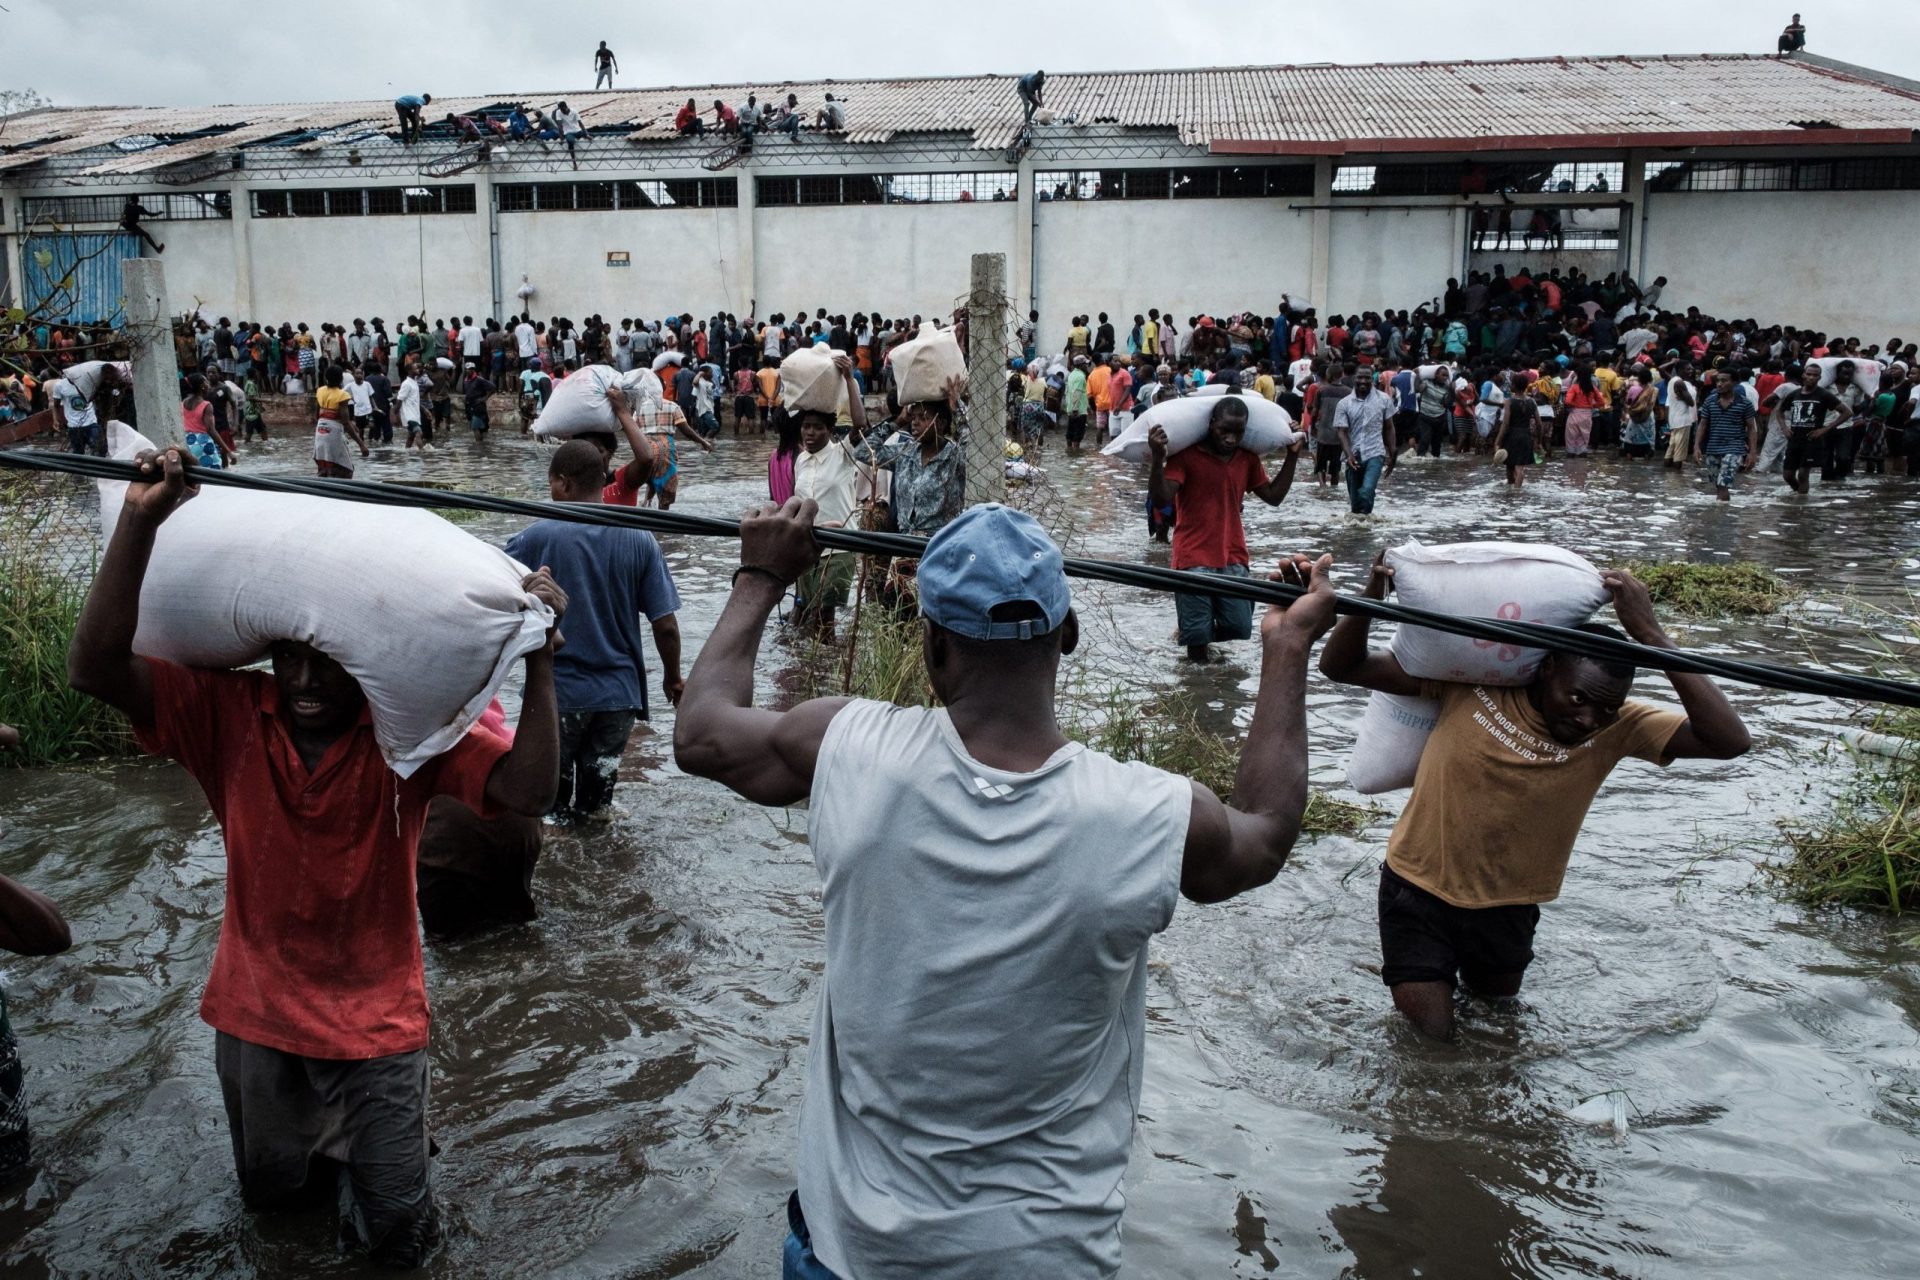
(39, 609)
(1866, 853)
(1714, 590)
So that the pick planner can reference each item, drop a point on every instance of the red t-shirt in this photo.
(1207, 533)
(319, 949)
(620, 493)
(1768, 383)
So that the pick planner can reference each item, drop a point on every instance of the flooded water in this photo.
(616, 1085)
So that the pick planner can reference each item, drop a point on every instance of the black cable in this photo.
(1829, 684)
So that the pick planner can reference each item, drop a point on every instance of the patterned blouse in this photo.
(926, 495)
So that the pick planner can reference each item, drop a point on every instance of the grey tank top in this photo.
(976, 1056)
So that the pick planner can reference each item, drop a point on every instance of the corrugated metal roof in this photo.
(1319, 109)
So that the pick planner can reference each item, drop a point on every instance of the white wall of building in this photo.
(1390, 258)
(901, 259)
(201, 267)
(1190, 257)
(682, 260)
(318, 269)
(1839, 261)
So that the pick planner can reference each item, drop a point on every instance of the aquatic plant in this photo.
(1866, 851)
(1714, 590)
(39, 609)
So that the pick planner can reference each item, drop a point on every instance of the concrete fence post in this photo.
(987, 310)
(149, 335)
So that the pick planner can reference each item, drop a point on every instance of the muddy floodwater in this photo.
(615, 1086)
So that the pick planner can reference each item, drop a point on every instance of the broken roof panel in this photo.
(1303, 110)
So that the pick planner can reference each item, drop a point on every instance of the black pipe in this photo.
(1829, 684)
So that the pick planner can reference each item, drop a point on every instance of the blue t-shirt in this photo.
(1403, 383)
(611, 577)
(409, 100)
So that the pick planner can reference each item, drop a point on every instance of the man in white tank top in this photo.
(989, 888)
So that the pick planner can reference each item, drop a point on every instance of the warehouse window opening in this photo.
(356, 202)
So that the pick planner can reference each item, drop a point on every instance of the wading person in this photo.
(989, 890)
(1809, 412)
(333, 426)
(1364, 420)
(1505, 781)
(1726, 436)
(1513, 439)
(317, 997)
(30, 925)
(1205, 485)
(612, 576)
(828, 476)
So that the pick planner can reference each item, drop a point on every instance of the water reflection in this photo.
(616, 1083)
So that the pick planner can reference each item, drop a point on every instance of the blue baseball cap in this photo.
(988, 556)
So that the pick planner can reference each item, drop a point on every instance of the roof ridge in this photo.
(830, 81)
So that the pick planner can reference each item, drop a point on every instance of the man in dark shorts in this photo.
(1505, 781)
(317, 996)
(613, 577)
(1810, 413)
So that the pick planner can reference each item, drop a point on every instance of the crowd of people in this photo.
(906, 803)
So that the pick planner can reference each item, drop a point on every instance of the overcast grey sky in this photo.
(167, 52)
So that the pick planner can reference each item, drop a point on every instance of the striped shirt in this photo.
(1725, 425)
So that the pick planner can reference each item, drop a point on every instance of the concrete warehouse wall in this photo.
(1841, 261)
(899, 259)
(1189, 257)
(316, 269)
(681, 259)
(1390, 258)
(201, 265)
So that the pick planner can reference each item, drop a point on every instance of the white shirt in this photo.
(406, 398)
(827, 477)
(523, 338)
(362, 398)
(470, 340)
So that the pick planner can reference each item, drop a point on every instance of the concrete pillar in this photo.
(745, 286)
(242, 234)
(1633, 253)
(1026, 235)
(1320, 273)
(987, 308)
(149, 336)
(484, 202)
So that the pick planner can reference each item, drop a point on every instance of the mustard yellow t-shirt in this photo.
(1497, 802)
(1610, 382)
(1264, 386)
(336, 399)
(1150, 338)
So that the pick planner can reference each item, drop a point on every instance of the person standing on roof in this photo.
(1794, 38)
(1031, 87)
(408, 107)
(604, 65)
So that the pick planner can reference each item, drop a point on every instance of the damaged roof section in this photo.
(1716, 100)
